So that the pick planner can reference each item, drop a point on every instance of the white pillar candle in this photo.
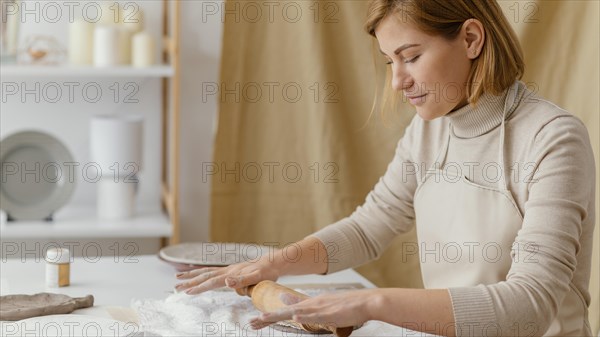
(133, 18)
(125, 37)
(116, 198)
(81, 42)
(106, 46)
(117, 139)
(112, 13)
(142, 53)
(12, 27)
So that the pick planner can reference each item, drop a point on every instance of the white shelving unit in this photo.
(81, 222)
(85, 71)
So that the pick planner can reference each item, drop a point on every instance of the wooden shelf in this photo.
(81, 222)
(11, 70)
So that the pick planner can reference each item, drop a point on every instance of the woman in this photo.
(500, 184)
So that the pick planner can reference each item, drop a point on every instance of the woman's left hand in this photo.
(339, 310)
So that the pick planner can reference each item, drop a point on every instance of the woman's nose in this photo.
(400, 80)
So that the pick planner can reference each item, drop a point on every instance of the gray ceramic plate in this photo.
(36, 177)
(212, 253)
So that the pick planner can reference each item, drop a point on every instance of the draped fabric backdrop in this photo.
(295, 148)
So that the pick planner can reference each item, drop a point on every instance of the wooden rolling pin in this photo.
(266, 297)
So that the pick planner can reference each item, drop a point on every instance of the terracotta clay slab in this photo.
(18, 307)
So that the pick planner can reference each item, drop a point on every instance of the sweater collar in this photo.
(475, 120)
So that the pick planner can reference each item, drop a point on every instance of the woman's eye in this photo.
(388, 62)
(412, 59)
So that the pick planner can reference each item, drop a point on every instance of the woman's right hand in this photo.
(235, 276)
(307, 256)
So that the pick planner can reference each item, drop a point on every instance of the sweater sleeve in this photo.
(387, 211)
(545, 252)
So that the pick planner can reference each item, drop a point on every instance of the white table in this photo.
(115, 281)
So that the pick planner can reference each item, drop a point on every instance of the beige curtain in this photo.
(294, 151)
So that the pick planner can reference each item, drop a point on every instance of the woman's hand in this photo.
(311, 259)
(339, 310)
(235, 276)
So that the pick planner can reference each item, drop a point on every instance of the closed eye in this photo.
(412, 60)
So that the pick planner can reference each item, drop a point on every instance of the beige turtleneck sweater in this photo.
(552, 179)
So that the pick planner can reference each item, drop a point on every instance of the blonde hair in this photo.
(501, 60)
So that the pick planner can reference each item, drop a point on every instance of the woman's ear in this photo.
(474, 37)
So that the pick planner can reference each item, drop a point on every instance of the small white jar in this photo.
(58, 263)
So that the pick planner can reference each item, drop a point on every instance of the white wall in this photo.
(69, 121)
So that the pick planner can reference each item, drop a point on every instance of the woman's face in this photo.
(430, 71)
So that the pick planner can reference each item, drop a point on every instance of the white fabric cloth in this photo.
(224, 313)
